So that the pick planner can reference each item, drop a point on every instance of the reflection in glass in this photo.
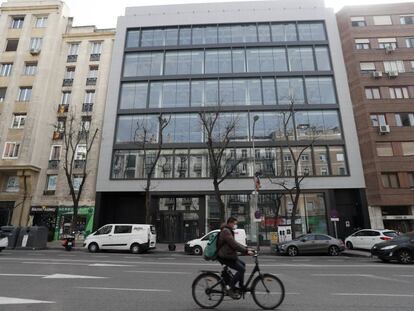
(134, 95)
(337, 159)
(290, 90)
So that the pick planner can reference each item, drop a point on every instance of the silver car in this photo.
(312, 244)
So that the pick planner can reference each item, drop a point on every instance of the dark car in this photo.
(312, 244)
(400, 248)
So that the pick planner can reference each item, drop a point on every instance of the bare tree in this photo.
(77, 145)
(221, 164)
(143, 136)
(292, 184)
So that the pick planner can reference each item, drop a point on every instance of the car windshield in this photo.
(391, 234)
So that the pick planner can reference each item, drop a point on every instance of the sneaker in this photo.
(234, 293)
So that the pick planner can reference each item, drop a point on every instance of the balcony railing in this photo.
(87, 107)
(91, 81)
(57, 135)
(63, 108)
(67, 82)
(53, 164)
(49, 192)
(72, 58)
(79, 164)
(83, 134)
(95, 57)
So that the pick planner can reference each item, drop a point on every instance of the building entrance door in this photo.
(171, 227)
(5, 212)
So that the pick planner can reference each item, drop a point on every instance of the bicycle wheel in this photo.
(207, 290)
(268, 291)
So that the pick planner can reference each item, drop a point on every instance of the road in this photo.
(55, 280)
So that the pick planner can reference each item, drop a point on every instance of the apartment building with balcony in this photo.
(244, 59)
(378, 42)
(50, 70)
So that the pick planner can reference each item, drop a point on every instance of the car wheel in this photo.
(333, 250)
(93, 247)
(404, 256)
(198, 251)
(349, 245)
(292, 251)
(136, 248)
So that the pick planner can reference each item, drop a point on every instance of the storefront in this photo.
(84, 225)
(6, 208)
(44, 216)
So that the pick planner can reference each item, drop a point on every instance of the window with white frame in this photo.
(378, 119)
(397, 65)
(11, 150)
(41, 22)
(358, 21)
(407, 19)
(70, 72)
(25, 93)
(51, 182)
(73, 48)
(77, 180)
(367, 66)
(85, 124)
(93, 72)
(30, 68)
(404, 119)
(36, 43)
(13, 184)
(80, 152)
(399, 92)
(372, 93)
(6, 69)
(409, 42)
(55, 152)
(89, 97)
(96, 47)
(382, 20)
(66, 97)
(390, 43)
(17, 22)
(362, 44)
(19, 120)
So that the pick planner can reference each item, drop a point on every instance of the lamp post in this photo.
(255, 193)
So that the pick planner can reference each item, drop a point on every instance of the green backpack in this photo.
(211, 250)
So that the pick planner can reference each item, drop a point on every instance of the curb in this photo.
(355, 254)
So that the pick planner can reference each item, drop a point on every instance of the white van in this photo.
(197, 246)
(133, 237)
(3, 242)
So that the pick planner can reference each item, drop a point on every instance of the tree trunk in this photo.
(148, 215)
(219, 201)
(74, 217)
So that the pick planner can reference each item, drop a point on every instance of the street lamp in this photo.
(255, 193)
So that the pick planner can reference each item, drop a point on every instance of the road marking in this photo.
(377, 295)
(99, 256)
(361, 275)
(73, 276)
(108, 265)
(300, 260)
(405, 276)
(19, 301)
(55, 263)
(159, 272)
(341, 274)
(135, 257)
(24, 275)
(167, 258)
(66, 255)
(127, 289)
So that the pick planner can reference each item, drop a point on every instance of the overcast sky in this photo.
(103, 13)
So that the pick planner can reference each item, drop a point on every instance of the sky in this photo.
(103, 13)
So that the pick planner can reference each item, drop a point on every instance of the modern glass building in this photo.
(243, 60)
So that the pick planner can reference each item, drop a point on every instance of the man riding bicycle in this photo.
(227, 254)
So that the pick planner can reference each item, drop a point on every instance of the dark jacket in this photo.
(227, 245)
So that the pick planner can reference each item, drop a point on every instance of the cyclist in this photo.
(227, 254)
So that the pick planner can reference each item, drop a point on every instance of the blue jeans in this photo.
(237, 265)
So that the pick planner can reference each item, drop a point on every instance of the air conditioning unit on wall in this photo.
(377, 74)
(389, 49)
(392, 74)
(384, 129)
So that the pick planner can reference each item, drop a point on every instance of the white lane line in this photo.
(376, 295)
(100, 256)
(167, 258)
(341, 274)
(66, 255)
(158, 272)
(72, 276)
(371, 276)
(19, 301)
(55, 263)
(127, 289)
(108, 265)
(404, 275)
(24, 275)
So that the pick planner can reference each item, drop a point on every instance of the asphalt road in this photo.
(56, 280)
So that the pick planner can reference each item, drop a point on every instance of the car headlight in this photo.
(388, 247)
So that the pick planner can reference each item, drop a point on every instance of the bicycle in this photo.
(209, 288)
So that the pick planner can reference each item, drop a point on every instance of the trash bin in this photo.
(12, 233)
(32, 238)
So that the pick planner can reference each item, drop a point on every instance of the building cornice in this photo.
(19, 167)
(29, 8)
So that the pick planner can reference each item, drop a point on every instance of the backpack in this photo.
(211, 249)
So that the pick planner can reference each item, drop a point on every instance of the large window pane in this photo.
(183, 94)
(147, 36)
(316, 128)
(320, 91)
(181, 164)
(301, 59)
(237, 33)
(156, 63)
(253, 60)
(144, 64)
(198, 163)
(321, 161)
(130, 65)
(211, 92)
(250, 33)
(311, 31)
(264, 33)
(337, 158)
(283, 32)
(290, 89)
(123, 133)
(239, 60)
(197, 62)
(196, 129)
(266, 60)
(171, 63)
(224, 61)
(226, 93)
(178, 129)
(171, 36)
(212, 62)
(269, 93)
(155, 100)
(224, 34)
(165, 164)
(197, 93)
(240, 90)
(279, 59)
(254, 95)
(332, 125)
(185, 36)
(184, 62)
(134, 95)
(198, 35)
(133, 39)
(322, 58)
(210, 34)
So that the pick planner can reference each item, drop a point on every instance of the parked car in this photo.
(133, 237)
(4, 242)
(312, 244)
(400, 248)
(366, 238)
(197, 246)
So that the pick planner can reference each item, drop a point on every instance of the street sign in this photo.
(334, 219)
